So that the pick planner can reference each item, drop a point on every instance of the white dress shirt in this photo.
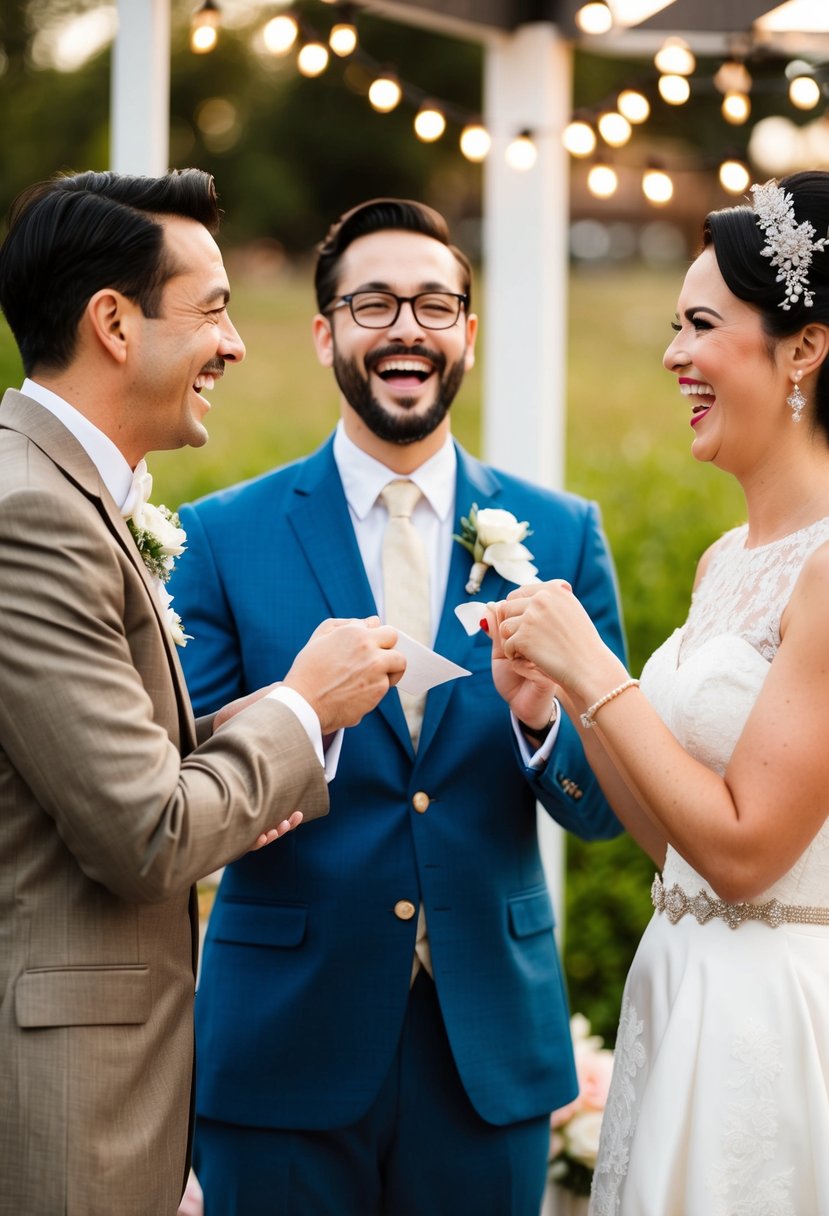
(363, 478)
(116, 474)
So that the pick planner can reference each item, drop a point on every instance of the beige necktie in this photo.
(407, 598)
(406, 582)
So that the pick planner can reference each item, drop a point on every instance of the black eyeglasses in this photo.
(377, 309)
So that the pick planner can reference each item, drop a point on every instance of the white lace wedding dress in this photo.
(719, 1104)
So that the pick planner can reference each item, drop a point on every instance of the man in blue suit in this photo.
(382, 1022)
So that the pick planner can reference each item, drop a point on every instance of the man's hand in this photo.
(528, 691)
(346, 667)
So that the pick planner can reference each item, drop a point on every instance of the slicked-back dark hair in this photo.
(72, 236)
(737, 241)
(379, 215)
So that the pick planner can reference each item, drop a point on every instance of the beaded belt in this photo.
(675, 903)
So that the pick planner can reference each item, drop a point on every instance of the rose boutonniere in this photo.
(493, 537)
(160, 539)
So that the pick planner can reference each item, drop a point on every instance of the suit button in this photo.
(420, 802)
(404, 909)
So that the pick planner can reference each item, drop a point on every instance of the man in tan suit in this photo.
(113, 801)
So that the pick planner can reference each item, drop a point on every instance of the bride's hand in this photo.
(546, 625)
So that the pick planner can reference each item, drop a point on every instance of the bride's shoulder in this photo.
(734, 538)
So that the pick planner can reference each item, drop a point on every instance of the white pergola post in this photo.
(140, 100)
(528, 87)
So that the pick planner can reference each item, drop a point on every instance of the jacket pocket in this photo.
(532, 913)
(82, 996)
(252, 924)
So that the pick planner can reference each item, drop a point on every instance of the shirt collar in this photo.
(113, 468)
(363, 477)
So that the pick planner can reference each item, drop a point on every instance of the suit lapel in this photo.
(479, 484)
(321, 522)
(21, 414)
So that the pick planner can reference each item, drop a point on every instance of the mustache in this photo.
(399, 349)
(216, 367)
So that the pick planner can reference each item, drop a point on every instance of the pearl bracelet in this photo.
(588, 718)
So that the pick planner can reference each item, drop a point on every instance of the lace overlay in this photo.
(710, 1112)
(619, 1120)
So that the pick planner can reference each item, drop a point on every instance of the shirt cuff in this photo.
(329, 758)
(537, 759)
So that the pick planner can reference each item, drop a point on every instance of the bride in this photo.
(718, 761)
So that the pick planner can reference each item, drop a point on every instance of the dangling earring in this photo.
(795, 400)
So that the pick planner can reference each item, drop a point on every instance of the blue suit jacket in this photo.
(306, 967)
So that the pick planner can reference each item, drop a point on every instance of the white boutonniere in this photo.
(494, 537)
(160, 538)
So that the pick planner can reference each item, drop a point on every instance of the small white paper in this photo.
(424, 667)
(470, 614)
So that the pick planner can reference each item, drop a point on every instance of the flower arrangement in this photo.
(160, 539)
(493, 537)
(574, 1129)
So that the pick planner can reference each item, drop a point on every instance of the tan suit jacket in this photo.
(103, 829)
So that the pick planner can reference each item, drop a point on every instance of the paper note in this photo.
(424, 667)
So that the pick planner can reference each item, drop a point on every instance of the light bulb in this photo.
(312, 59)
(657, 187)
(602, 181)
(475, 142)
(614, 129)
(674, 89)
(734, 176)
(675, 58)
(429, 123)
(280, 34)
(804, 92)
(594, 18)
(384, 93)
(204, 30)
(579, 138)
(732, 77)
(343, 39)
(634, 105)
(522, 153)
(736, 108)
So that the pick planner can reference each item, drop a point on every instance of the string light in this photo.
(804, 92)
(674, 89)
(675, 58)
(594, 18)
(634, 105)
(736, 108)
(521, 153)
(579, 138)
(602, 180)
(429, 123)
(280, 34)
(385, 92)
(614, 129)
(475, 142)
(343, 38)
(312, 59)
(657, 187)
(734, 176)
(204, 28)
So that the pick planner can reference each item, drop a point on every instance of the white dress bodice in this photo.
(703, 681)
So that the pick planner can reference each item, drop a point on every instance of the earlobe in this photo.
(812, 348)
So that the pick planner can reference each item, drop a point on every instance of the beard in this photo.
(393, 428)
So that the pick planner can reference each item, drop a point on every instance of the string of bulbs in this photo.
(612, 122)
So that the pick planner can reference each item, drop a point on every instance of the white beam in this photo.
(140, 101)
(527, 87)
(526, 215)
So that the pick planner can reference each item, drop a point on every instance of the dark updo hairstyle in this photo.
(737, 241)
